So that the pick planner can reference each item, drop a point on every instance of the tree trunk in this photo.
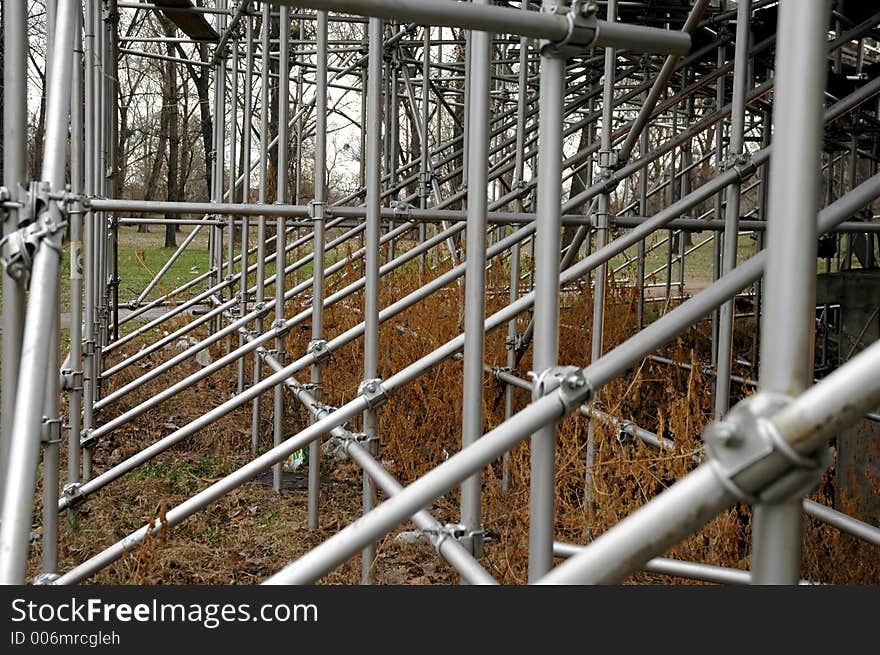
(578, 184)
(170, 104)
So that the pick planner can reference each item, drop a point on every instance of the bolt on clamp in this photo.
(72, 491)
(401, 209)
(521, 342)
(281, 328)
(318, 350)
(43, 579)
(50, 430)
(472, 540)
(600, 220)
(317, 210)
(569, 382)
(624, 432)
(497, 370)
(370, 443)
(581, 32)
(608, 159)
(321, 409)
(71, 380)
(742, 163)
(88, 439)
(43, 218)
(373, 392)
(746, 436)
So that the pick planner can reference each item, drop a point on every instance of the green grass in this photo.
(183, 475)
(142, 255)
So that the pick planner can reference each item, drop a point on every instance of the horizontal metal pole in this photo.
(698, 225)
(168, 221)
(843, 522)
(222, 208)
(674, 567)
(506, 20)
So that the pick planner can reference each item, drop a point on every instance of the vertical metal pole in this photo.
(281, 223)
(393, 138)
(75, 402)
(719, 197)
(297, 164)
(424, 137)
(318, 206)
(790, 276)
(20, 480)
(261, 222)
(233, 176)
(602, 222)
(687, 161)
(246, 186)
(644, 146)
(764, 177)
(51, 434)
(15, 45)
(219, 150)
(51, 438)
(475, 276)
(111, 68)
(546, 316)
(518, 173)
(373, 128)
(101, 259)
(731, 221)
(90, 373)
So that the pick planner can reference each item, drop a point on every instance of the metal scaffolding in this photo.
(474, 120)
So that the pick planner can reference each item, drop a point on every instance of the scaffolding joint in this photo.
(625, 432)
(568, 382)
(374, 392)
(72, 493)
(401, 209)
(318, 350)
(317, 210)
(583, 27)
(50, 431)
(472, 540)
(498, 370)
(608, 160)
(370, 443)
(88, 438)
(44, 579)
(519, 342)
(280, 328)
(71, 380)
(747, 436)
(42, 219)
(742, 164)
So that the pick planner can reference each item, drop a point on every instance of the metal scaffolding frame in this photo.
(480, 177)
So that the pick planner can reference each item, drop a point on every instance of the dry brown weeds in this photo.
(253, 532)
